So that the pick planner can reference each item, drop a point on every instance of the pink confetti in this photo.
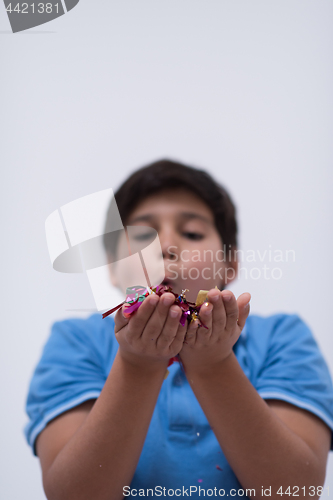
(199, 480)
(219, 468)
(135, 296)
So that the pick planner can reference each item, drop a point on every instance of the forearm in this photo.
(260, 448)
(101, 457)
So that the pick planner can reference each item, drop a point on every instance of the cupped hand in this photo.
(225, 318)
(152, 333)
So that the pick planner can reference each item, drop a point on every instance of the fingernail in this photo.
(208, 310)
(168, 300)
(226, 298)
(215, 298)
(125, 314)
(173, 313)
(153, 301)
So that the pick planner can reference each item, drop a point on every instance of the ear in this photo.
(232, 265)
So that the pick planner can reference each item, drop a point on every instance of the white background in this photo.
(240, 88)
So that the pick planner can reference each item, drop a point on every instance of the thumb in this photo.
(243, 303)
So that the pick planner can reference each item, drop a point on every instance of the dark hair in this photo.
(164, 174)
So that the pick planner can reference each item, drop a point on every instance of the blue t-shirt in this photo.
(278, 354)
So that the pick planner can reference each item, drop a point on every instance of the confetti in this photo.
(219, 468)
(135, 295)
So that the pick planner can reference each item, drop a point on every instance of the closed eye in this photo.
(193, 236)
(145, 236)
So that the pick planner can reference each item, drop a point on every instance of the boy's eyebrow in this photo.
(184, 215)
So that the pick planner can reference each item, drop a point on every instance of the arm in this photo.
(94, 453)
(269, 444)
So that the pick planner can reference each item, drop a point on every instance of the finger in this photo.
(243, 302)
(191, 332)
(206, 316)
(231, 309)
(142, 315)
(156, 322)
(179, 339)
(218, 313)
(120, 319)
(170, 328)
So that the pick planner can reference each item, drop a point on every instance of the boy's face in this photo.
(191, 245)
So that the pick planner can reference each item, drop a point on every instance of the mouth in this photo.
(168, 283)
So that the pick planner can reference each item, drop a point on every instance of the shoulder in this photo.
(284, 361)
(72, 369)
(267, 325)
(282, 342)
(266, 334)
(92, 332)
(89, 325)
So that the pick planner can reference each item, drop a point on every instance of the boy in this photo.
(248, 409)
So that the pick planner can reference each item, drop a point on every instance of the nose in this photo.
(169, 243)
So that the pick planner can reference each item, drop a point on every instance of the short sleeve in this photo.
(69, 372)
(295, 370)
